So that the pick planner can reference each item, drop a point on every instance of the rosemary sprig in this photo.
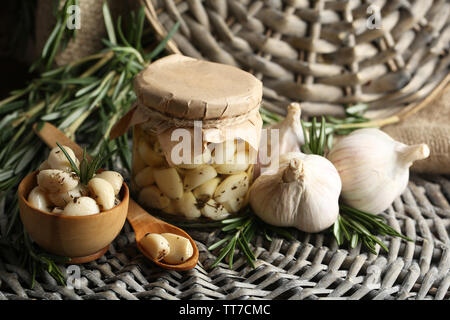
(58, 38)
(352, 225)
(88, 168)
(238, 232)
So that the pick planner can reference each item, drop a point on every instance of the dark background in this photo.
(15, 46)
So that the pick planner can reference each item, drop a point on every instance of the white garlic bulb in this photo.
(287, 136)
(290, 130)
(303, 193)
(374, 168)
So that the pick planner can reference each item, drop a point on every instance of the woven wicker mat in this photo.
(309, 267)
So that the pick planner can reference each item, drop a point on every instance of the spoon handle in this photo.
(139, 218)
(51, 134)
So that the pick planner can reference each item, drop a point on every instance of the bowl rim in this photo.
(125, 199)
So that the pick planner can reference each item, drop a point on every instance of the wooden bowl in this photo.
(82, 238)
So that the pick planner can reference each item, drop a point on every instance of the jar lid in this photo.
(187, 88)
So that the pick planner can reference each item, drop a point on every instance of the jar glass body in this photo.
(210, 186)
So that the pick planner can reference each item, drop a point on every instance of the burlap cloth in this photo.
(88, 37)
(431, 125)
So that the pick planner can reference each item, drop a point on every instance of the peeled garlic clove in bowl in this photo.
(56, 181)
(303, 192)
(374, 168)
(58, 160)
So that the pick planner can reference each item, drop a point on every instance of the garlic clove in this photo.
(137, 163)
(171, 208)
(180, 248)
(232, 188)
(149, 155)
(231, 168)
(188, 205)
(197, 161)
(44, 165)
(152, 197)
(38, 199)
(205, 191)
(144, 177)
(82, 206)
(56, 181)
(58, 210)
(103, 192)
(224, 152)
(155, 245)
(234, 205)
(198, 176)
(58, 160)
(114, 178)
(214, 210)
(169, 182)
(240, 162)
(63, 198)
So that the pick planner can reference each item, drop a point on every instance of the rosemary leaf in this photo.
(71, 161)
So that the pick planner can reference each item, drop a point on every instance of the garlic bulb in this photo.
(289, 138)
(290, 130)
(374, 168)
(303, 193)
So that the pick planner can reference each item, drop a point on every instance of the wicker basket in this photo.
(325, 54)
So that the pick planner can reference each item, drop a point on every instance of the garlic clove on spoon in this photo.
(303, 192)
(374, 168)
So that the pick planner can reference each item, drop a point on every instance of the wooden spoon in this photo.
(141, 221)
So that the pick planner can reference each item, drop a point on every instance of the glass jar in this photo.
(194, 150)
